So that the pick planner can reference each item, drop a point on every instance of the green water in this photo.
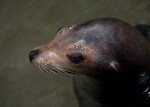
(25, 24)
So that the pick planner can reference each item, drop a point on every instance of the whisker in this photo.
(44, 69)
(52, 69)
(56, 70)
(49, 70)
(39, 67)
(59, 69)
(64, 70)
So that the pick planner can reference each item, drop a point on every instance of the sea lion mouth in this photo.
(52, 69)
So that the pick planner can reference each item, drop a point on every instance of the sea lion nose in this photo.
(33, 54)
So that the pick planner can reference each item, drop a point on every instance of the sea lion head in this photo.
(88, 48)
(68, 52)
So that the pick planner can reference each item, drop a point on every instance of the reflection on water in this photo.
(25, 24)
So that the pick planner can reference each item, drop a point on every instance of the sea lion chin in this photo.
(110, 51)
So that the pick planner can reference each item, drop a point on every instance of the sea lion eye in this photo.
(75, 57)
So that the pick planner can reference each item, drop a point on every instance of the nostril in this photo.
(33, 54)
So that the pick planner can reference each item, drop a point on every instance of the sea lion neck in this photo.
(130, 87)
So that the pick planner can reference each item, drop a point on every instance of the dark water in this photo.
(25, 24)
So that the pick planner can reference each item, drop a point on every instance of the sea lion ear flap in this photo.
(115, 65)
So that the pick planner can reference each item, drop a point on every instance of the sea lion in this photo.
(109, 58)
